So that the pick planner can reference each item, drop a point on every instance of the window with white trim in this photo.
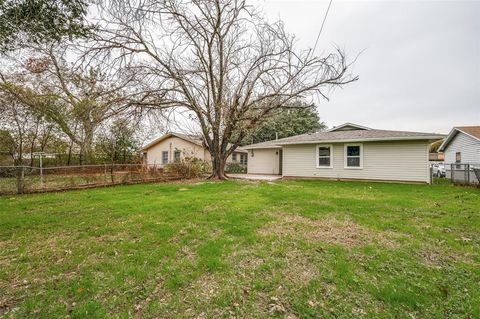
(353, 156)
(324, 156)
(234, 157)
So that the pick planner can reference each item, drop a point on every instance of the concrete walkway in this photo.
(256, 177)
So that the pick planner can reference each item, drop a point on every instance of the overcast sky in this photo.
(420, 70)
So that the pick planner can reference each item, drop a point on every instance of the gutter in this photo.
(356, 140)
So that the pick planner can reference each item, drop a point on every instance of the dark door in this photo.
(280, 162)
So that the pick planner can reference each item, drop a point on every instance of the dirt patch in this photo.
(439, 258)
(205, 287)
(332, 231)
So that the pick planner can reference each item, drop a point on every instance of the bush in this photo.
(189, 167)
(235, 168)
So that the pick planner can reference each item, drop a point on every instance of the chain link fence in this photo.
(468, 174)
(27, 179)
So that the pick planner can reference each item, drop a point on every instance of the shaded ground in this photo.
(289, 249)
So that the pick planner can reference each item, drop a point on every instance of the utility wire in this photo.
(321, 28)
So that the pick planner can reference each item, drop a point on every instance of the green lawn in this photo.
(293, 249)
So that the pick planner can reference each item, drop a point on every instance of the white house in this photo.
(173, 147)
(462, 145)
(350, 152)
(462, 148)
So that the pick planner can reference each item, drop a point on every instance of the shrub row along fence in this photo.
(27, 179)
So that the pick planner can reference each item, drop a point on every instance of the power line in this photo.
(321, 28)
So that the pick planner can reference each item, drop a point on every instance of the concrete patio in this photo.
(256, 177)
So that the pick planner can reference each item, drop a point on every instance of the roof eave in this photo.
(164, 137)
(451, 135)
(357, 140)
(251, 147)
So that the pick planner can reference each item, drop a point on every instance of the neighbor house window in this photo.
(176, 156)
(165, 157)
(243, 159)
(324, 156)
(353, 156)
(234, 157)
(458, 157)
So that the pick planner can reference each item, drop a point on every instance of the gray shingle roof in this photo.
(347, 136)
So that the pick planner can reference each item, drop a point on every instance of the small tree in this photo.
(219, 62)
(118, 144)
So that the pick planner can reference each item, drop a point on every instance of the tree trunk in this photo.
(218, 170)
(87, 147)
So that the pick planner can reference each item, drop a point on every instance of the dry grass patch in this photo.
(329, 230)
(437, 258)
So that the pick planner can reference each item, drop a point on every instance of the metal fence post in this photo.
(467, 172)
(41, 172)
(452, 172)
(431, 174)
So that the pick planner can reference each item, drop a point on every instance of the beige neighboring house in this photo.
(174, 147)
(349, 152)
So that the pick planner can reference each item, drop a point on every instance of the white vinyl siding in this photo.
(467, 146)
(264, 161)
(394, 160)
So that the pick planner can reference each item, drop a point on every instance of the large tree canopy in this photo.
(40, 21)
(299, 119)
(218, 61)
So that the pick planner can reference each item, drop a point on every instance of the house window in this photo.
(458, 159)
(252, 154)
(176, 156)
(165, 157)
(243, 159)
(234, 157)
(353, 156)
(324, 156)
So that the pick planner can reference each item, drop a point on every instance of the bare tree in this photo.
(77, 98)
(217, 60)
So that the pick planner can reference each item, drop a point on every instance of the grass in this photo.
(291, 249)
